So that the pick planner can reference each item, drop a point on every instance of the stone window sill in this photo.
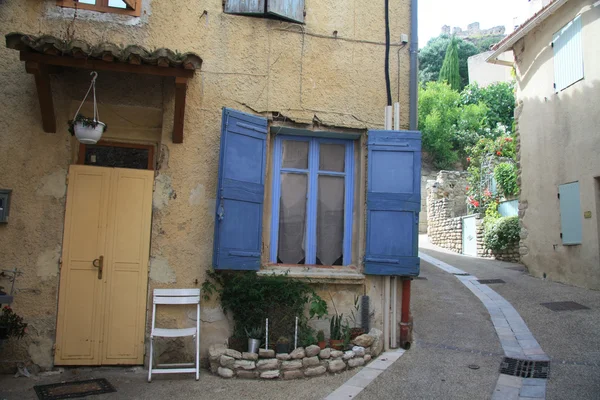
(329, 274)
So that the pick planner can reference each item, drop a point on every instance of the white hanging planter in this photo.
(88, 130)
(87, 133)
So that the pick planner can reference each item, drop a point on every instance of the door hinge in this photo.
(60, 262)
(554, 85)
(53, 349)
(67, 180)
(558, 195)
(561, 235)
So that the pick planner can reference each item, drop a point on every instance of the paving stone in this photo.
(325, 353)
(507, 380)
(505, 393)
(264, 353)
(312, 350)
(267, 364)
(537, 392)
(534, 382)
(270, 374)
(336, 366)
(289, 365)
(295, 374)
(315, 371)
(310, 361)
(250, 356)
(225, 372)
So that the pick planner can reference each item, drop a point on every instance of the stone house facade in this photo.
(320, 81)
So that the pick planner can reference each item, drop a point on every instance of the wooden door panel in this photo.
(80, 293)
(127, 268)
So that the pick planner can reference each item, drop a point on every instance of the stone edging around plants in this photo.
(300, 363)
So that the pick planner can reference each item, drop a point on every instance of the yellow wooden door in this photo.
(127, 266)
(101, 315)
(80, 298)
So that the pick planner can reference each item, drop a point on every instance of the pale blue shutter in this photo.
(570, 213)
(393, 203)
(568, 55)
(288, 9)
(254, 7)
(240, 191)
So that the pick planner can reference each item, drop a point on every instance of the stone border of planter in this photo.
(300, 363)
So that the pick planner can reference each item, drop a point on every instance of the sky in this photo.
(433, 14)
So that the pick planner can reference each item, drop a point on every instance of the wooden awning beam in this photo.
(41, 65)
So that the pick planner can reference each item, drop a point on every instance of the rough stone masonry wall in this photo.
(446, 207)
(300, 363)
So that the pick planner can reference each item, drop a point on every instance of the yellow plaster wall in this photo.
(303, 73)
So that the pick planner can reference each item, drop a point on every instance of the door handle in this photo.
(99, 263)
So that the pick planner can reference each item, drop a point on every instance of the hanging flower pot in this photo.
(88, 130)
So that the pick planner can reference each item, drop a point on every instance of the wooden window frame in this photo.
(149, 147)
(313, 172)
(102, 6)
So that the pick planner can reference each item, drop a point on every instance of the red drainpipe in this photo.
(406, 317)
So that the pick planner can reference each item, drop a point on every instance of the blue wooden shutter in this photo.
(288, 9)
(240, 191)
(568, 55)
(570, 213)
(254, 7)
(393, 203)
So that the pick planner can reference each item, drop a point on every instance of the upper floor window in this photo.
(291, 10)
(568, 55)
(312, 201)
(127, 7)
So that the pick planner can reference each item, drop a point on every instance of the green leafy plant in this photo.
(449, 71)
(252, 299)
(502, 233)
(254, 333)
(431, 58)
(11, 324)
(283, 340)
(85, 122)
(506, 176)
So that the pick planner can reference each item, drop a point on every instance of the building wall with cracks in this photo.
(324, 75)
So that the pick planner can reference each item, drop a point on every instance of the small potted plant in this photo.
(356, 330)
(254, 337)
(86, 130)
(336, 338)
(321, 339)
(282, 345)
(11, 324)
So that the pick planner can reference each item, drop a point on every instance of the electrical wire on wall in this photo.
(387, 53)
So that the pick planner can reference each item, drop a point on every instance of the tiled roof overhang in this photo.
(44, 54)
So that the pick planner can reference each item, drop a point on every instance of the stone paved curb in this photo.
(515, 337)
(353, 386)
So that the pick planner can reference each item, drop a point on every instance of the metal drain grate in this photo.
(490, 281)
(421, 278)
(461, 274)
(564, 306)
(525, 368)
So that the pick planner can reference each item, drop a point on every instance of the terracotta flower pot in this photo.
(322, 344)
(336, 344)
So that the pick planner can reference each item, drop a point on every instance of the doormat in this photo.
(70, 390)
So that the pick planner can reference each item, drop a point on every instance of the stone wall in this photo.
(300, 363)
(446, 208)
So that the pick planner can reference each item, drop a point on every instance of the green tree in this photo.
(431, 58)
(499, 99)
(438, 113)
(449, 71)
(483, 43)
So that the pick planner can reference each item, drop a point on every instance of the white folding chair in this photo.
(175, 297)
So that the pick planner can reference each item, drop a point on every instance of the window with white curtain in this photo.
(312, 201)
